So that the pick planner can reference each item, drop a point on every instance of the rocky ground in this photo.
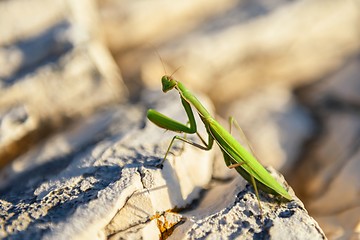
(79, 159)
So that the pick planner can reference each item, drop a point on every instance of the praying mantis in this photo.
(235, 155)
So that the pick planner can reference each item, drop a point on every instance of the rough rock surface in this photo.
(64, 147)
(53, 70)
(231, 211)
(331, 166)
(75, 193)
(256, 43)
(110, 186)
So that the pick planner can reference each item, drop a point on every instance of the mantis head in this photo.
(168, 83)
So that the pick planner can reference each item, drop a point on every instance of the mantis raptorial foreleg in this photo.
(189, 127)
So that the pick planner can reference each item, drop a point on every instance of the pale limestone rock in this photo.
(343, 225)
(340, 216)
(57, 73)
(107, 185)
(33, 19)
(53, 97)
(231, 211)
(327, 176)
(96, 177)
(340, 89)
(235, 59)
(106, 182)
(124, 26)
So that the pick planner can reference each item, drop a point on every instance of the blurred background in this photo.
(288, 71)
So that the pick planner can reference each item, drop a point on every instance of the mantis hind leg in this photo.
(232, 121)
(243, 173)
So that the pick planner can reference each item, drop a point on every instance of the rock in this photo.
(126, 19)
(329, 170)
(330, 154)
(231, 212)
(33, 21)
(339, 90)
(55, 76)
(227, 61)
(53, 97)
(345, 183)
(343, 225)
(75, 166)
(17, 128)
(330, 167)
(105, 183)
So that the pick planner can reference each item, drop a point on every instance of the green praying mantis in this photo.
(235, 155)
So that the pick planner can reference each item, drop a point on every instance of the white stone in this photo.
(113, 181)
(231, 211)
